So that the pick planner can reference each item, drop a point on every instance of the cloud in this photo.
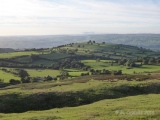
(78, 16)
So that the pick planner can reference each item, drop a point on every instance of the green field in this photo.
(54, 55)
(43, 62)
(16, 54)
(23, 59)
(42, 73)
(76, 84)
(7, 76)
(105, 64)
(31, 72)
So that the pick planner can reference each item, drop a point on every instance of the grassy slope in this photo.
(105, 48)
(76, 84)
(7, 76)
(42, 73)
(23, 59)
(110, 49)
(43, 62)
(120, 108)
(81, 88)
(15, 54)
(54, 55)
(128, 108)
(102, 49)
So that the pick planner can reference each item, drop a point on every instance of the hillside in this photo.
(113, 109)
(87, 80)
(76, 59)
(57, 98)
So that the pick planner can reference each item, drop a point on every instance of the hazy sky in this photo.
(49, 17)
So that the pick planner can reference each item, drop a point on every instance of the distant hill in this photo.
(151, 41)
(6, 50)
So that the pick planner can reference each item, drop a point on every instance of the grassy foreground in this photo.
(141, 107)
(76, 92)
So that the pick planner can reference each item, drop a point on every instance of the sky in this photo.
(54, 17)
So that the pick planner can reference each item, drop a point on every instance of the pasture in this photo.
(52, 56)
(23, 59)
(42, 72)
(16, 54)
(7, 76)
(105, 64)
(42, 62)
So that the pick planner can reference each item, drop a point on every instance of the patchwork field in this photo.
(80, 81)
(105, 64)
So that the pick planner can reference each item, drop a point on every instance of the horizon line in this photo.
(77, 34)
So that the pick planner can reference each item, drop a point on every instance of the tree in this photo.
(48, 78)
(122, 61)
(92, 70)
(106, 72)
(64, 73)
(22, 73)
(128, 63)
(26, 80)
(13, 81)
(119, 72)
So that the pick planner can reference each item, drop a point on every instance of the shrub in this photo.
(13, 81)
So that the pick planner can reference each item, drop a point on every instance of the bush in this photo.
(25, 80)
(13, 81)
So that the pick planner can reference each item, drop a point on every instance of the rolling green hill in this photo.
(78, 58)
(80, 81)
